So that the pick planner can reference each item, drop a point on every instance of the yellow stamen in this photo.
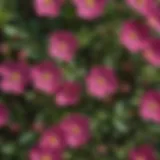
(140, 2)
(48, 2)
(140, 158)
(63, 46)
(47, 76)
(153, 106)
(133, 36)
(53, 140)
(90, 3)
(75, 129)
(46, 157)
(101, 81)
(15, 76)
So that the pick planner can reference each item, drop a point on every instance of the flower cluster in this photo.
(73, 132)
(137, 36)
(99, 82)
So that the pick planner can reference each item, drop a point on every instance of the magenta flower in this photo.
(53, 139)
(63, 45)
(76, 130)
(152, 52)
(37, 153)
(134, 35)
(150, 106)
(48, 8)
(101, 82)
(141, 6)
(69, 94)
(144, 152)
(90, 9)
(154, 19)
(46, 77)
(4, 115)
(15, 77)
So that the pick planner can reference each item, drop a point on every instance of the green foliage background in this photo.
(115, 122)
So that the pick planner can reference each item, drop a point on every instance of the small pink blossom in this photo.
(150, 106)
(134, 35)
(4, 115)
(144, 152)
(90, 9)
(48, 8)
(69, 94)
(153, 19)
(63, 45)
(53, 139)
(101, 81)
(15, 77)
(46, 77)
(76, 130)
(37, 153)
(141, 6)
(151, 52)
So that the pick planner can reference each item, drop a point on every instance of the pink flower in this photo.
(151, 52)
(69, 94)
(101, 81)
(90, 9)
(4, 115)
(53, 139)
(141, 6)
(134, 35)
(63, 45)
(76, 130)
(154, 19)
(15, 77)
(144, 152)
(37, 153)
(48, 8)
(150, 106)
(46, 77)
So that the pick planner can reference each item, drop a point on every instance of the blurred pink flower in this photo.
(46, 77)
(69, 94)
(150, 106)
(144, 152)
(4, 115)
(37, 153)
(134, 35)
(154, 19)
(141, 6)
(48, 8)
(63, 45)
(152, 52)
(53, 139)
(90, 9)
(76, 130)
(101, 82)
(15, 77)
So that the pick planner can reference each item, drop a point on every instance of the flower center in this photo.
(46, 157)
(140, 2)
(46, 76)
(48, 2)
(140, 158)
(62, 46)
(101, 81)
(53, 140)
(15, 76)
(90, 3)
(133, 36)
(153, 106)
(76, 130)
